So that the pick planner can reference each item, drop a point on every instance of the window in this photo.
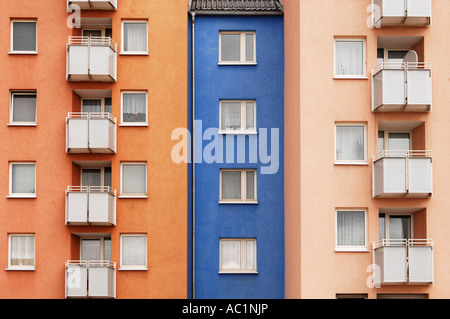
(23, 108)
(134, 37)
(238, 186)
(350, 143)
(96, 176)
(237, 117)
(350, 58)
(99, 105)
(134, 108)
(22, 178)
(133, 252)
(237, 48)
(351, 230)
(237, 255)
(134, 180)
(395, 227)
(95, 248)
(21, 252)
(24, 36)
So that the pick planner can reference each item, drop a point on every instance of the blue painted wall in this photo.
(264, 221)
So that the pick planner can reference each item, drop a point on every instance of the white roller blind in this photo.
(134, 179)
(230, 47)
(134, 250)
(24, 107)
(23, 178)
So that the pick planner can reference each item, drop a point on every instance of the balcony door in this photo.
(100, 105)
(394, 141)
(96, 248)
(395, 226)
(96, 176)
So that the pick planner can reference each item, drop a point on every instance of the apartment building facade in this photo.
(366, 132)
(91, 203)
(237, 125)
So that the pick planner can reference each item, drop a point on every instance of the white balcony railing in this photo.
(401, 13)
(90, 205)
(93, 4)
(405, 173)
(91, 59)
(403, 86)
(90, 132)
(403, 261)
(90, 279)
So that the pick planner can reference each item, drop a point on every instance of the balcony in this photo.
(403, 261)
(402, 174)
(402, 13)
(94, 4)
(402, 86)
(90, 279)
(91, 59)
(90, 132)
(90, 205)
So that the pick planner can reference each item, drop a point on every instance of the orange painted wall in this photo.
(313, 268)
(162, 216)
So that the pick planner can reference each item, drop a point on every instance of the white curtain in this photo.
(22, 250)
(250, 254)
(250, 115)
(231, 116)
(250, 185)
(135, 37)
(350, 142)
(231, 185)
(231, 47)
(23, 178)
(134, 250)
(349, 58)
(399, 141)
(230, 254)
(90, 249)
(350, 228)
(134, 107)
(133, 179)
(24, 108)
(249, 54)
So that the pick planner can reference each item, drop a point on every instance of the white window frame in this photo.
(20, 267)
(11, 109)
(134, 267)
(242, 54)
(134, 195)
(21, 195)
(122, 123)
(12, 51)
(243, 129)
(122, 51)
(364, 59)
(350, 162)
(363, 248)
(243, 199)
(243, 269)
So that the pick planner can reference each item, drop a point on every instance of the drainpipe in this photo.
(193, 151)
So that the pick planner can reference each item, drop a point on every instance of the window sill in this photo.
(23, 53)
(21, 269)
(135, 125)
(22, 124)
(237, 63)
(238, 202)
(354, 77)
(21, 196)
(352, 163)
(352, 250)
(238, 272)
(132, 196)
(236, 133)
(134, 53)
(133, 268)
